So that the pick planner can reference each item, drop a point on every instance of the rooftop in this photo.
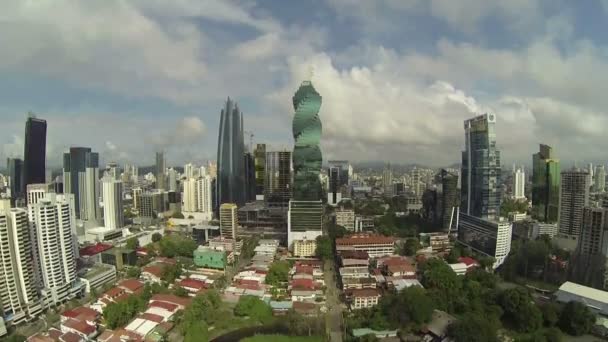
(94, 249)
(584, 291)
(364, 239)
(364, 292)
(131, 284)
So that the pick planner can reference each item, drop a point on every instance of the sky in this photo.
(397, 77)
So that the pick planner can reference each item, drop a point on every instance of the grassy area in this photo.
(230, 322)
(282, 338)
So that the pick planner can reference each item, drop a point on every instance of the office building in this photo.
(113, 216)
(519, 184)
(599, 178)
(112, 170)
(545, 185)
(387, 180)
(574, 197)
(81, 178)
(374, 245)
(480, 176)
(19, 298)
(304, 248)
(35, 192)
(54, 221)
(345, 218)
(278, 178)
(343, 177)
(228, 221)
(230, 161)
(304, 221)
(334, 193)
(259, 155)
(450, 199)
(34, 154)
(136, 193)
(589, 261)
(14, 167)
(189, 195)
(488, 237)
(250, 181)
(416, 185)
(307, 157)
(161, 167)
(172, 180)
(189, 171)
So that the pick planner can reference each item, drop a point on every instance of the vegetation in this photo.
(132, 243)
(278, 273)
(133, 272)
(282, 338)
(15, 338)
(180, 291)
(576, 319)
(170, 273)
(254, 308)
(197, 333)
(119, 314)
(174, 245)
(324, 249)
(509, 205)
(157, 237)
(201, 312)
(369, 208)
(410, 247)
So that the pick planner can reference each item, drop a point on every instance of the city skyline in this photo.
(417, 88)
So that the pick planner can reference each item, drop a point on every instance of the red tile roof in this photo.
(79, 326)
(307, 284)
(364, 239)
(468, 261)
(81, 313)
(303, 307)
(122, 297)
(69, 337)
(94, 249)
(151, 317)
(248, 282)
(114, 292)
(364, 293)
(164, 305)
(304, 269)
(193, 284)
(131, 285)
(247, 286)
(403, 268)
(173, 299)
(155, 270)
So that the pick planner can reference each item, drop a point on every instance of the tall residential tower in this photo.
(545, 185)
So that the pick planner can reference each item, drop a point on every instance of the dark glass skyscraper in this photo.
(480, 195)
(75, 164)
(450, 199)
(34, 154)
(249, 177)
(545, 185)
(278, 182)
(260, 168)
(14, 168)
(307, 157)
(230, 160)
(160, 171)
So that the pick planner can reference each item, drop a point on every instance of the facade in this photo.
(387, 180)
(480, 176)
(344, 169)
(136, 193)
(210, 257)
(599, 178)
(519, 184)
(375, 245)
(113, 216)
(35, 192)
(19, 297)
(189, 195)
(228, 221)
(54, 221)
(450, 199)
(14, 167)
(161, 165)
(34, 154)
(364, 298)
(278, 181)
(574, 196)
(81, 178)
(304, 248)
(230, 160)
(334, 195)
(491, 238)
(364, 223)
(250, 182)
(346, 219)
(304, 221)
(259, 155)
(307, 157)
(172, 180)
(545, 185)
(590, 257)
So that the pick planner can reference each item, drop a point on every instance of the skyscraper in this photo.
(54, 223)
(14, 167)
(480, 169)
(334, 195)
(387, 180)
(34, 154)
(600, 178)
(344, 167)
(278, 181)
(519, 183)
(250, 182)
(545, 185)
(19, 299)
(230, 152)
(260, 168)
(307, 157)
(113, 216)
(450, 199)
(172, 180)
(229, 221)
(589, 262)
(81, 178)
(160, 170)
(574, 196)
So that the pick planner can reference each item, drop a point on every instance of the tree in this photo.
(278, 273)
(16, 338)
(324, 249)
(519, 309)
(132, 243)
(203, 309)
(197, 333)
(414, 305)
(512, 206)
(180, 291)
(550, 313)
(133, 272)
(443, 284)
(156, 237)
(410, 247)
(473, 328)
(170, 273)
(452, 258)
(486, 263)
(254, 308)
(576, 319)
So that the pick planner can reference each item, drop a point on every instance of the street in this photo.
(334, 306)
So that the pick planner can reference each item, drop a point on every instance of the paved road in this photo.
(334, 306)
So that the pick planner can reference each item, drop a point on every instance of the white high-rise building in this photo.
(189, 195)
(89, 198)
(189, 171)
(137, 197)
(54, 219)
(19, 298)
(172, 179)
(202, 171)
(600, 178)
(113, 216)
(204, 195)
(519, 183)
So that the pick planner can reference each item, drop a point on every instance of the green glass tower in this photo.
(545, 185)
(307, 157)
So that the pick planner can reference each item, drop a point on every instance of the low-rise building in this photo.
(374, 245)
(346, 219)
(209, 257)
(364, 223)
(152, 273)
(304, 248)
(596, 300)
(97, 276)
(364, 298)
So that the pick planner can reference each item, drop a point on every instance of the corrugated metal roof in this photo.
(584, 291)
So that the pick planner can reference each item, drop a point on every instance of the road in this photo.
(334, 306)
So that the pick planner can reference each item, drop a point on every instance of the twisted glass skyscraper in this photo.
(230, 157)
(307, 158)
